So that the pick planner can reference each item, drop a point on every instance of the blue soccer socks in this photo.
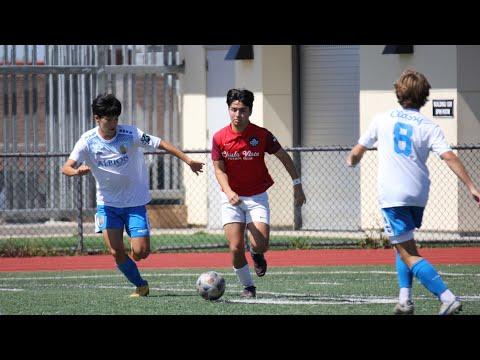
(404, 274)
(429, 277)
(130, 270)
(405, 280)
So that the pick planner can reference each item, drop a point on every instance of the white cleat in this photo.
(404, 308)
(451, 308)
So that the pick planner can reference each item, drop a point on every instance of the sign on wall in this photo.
(442, 108)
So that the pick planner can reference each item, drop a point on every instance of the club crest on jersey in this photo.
(253, 141)
(145, 139)
(123, 149)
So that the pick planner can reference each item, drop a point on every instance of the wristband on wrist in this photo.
(296, 181)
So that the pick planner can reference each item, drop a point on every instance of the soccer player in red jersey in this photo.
(238, 152)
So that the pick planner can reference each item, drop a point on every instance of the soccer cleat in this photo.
(260, 264)
(451, 308)
(404, 308)
(141, 291)
(249, 292)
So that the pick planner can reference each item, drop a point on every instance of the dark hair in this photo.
(106, 105)
(412, 89)
(243, 95)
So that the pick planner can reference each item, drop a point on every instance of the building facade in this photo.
(326, 95)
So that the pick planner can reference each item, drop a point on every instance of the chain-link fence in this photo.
(45, 212)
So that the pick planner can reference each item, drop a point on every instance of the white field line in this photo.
(324, 283)
(315, 299)
(342, 299)
(272, 273)
(61, 277)
(13, 289)
(302, 299)
(309, 302)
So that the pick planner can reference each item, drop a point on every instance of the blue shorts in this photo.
(401, 221)
(133, 219)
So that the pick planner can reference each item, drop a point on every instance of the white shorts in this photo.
(252, 209)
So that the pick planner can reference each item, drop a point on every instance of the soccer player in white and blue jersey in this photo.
(404, 139)
(113, 154)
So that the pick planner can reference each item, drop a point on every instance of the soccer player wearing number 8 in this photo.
(238, 152)
(113, 154)
(404, 139)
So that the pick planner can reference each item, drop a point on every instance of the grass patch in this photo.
(68, 245)
(338, 290)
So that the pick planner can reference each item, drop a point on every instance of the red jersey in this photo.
(244, 157)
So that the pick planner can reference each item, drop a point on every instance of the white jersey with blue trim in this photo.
(118, 165)
(404, 139)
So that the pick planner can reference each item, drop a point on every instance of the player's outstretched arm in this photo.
(356, 155)
(195, 166)
(457, 167)
(70, 170)
(286, 160)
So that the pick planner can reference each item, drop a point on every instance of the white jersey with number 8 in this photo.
(404, 139)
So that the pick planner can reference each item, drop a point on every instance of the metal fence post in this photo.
(297, 210)
(79, 186)
(101, 74)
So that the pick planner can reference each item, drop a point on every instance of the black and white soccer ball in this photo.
(210, 285)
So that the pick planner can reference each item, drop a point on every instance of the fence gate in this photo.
(45, 102)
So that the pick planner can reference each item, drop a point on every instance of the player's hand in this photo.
(298, 195)
(196, 166)
(476, 196)
(83, 170)
(233, 198)
(349, 161)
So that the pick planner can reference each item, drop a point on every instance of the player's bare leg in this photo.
(259, 236)
(113, 239)
(140, 247)
(234, 233)
(408, 252)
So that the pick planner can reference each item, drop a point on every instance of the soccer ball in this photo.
(210, 285)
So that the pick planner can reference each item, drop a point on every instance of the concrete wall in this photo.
(193, 107)
(269, 77)
(468, 58)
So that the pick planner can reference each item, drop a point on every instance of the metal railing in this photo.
(45, 102)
